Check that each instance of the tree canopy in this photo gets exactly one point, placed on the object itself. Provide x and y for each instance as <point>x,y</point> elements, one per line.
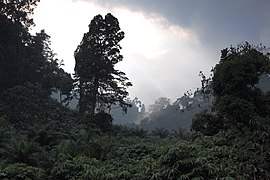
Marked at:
<point>238,99</point>
<point>19,11</point>
<point>98,82</point>
<point>239,103</point>
<point>24,57</point>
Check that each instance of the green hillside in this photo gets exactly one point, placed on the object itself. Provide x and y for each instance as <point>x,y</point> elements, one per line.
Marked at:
<point>41,138</point>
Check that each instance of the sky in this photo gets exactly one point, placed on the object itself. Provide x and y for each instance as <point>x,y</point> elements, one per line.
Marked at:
<point>166,43</point>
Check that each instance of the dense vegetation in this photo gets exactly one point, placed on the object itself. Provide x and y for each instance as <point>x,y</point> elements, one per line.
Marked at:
<point>41,138</point>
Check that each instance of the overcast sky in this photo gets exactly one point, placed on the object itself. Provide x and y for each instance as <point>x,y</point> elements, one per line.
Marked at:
<point>166,43</point>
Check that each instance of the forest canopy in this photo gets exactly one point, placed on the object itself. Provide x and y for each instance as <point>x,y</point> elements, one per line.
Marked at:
<point>42,138</point>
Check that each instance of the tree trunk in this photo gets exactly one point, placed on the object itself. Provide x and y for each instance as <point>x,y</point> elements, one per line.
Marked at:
<point>82,108</point>
<point>94,95</point>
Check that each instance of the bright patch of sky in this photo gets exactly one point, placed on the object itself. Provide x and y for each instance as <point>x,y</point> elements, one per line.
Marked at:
<point>160,59</point>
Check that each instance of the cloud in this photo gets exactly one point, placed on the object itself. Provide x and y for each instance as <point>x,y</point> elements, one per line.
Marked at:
<point>217,23</point>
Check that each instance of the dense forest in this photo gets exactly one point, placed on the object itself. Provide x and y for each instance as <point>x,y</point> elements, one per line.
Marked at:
<point>42,138</point>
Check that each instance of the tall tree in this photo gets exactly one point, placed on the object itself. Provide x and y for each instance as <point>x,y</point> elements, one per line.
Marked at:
<point>99,84</point>
<point>239,103</point>
<point>238,99</point>
<point>46,68</point>
<point>26,58</point>
<point>15,20</point>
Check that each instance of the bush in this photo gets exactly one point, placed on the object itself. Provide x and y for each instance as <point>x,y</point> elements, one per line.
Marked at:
<point>206,123</point>
<point>21,171</point>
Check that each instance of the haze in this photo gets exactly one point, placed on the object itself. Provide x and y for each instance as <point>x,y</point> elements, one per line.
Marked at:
<point>166,43</point>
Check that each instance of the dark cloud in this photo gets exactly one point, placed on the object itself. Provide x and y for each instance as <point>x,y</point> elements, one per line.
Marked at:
<point>217,22</point>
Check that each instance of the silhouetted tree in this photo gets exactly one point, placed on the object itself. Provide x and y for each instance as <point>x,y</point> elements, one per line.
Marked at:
<point>11,52</point>
<point>46,69</point>
<point>239,103</point>
<point>99,84</point>
<point>26,58</point>
<point>15,20</point>
<point>238,99</point>
<point>19,11</point>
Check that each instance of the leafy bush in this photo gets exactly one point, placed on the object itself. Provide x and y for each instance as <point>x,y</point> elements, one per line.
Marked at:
<point>21,171</point>
<point>206,123</point>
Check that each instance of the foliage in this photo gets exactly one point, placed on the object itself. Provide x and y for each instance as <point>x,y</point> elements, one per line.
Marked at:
<point>133,115</point>
<point>27,105</point>
<point>206,123</point>
<point>103,121</point>
<point>99,84</point>
<point>161,132</point>
<point>24,57</point>
<point>23,104</point>
<point>238,100</point>
<point>44,68</point>
<point>19,11</point>
<point>122,130</point>
<point>12,51</point>
<point>21,171</point>
<point>239,122</point>
<point>42,139</point>
<point>160,104</point>
<point>177,115</point>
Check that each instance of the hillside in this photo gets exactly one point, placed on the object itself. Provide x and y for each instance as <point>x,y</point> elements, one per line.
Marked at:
<point>221,131</point>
